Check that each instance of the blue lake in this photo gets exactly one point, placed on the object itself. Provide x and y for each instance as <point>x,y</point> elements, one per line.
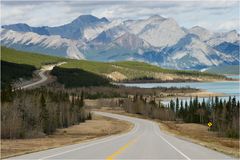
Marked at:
<point>229,88</point>
<point>234,76</point>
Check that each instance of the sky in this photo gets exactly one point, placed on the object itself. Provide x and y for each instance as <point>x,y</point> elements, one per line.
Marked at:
<point>215,15</point>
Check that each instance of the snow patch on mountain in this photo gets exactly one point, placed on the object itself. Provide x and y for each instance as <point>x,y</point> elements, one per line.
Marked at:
<point>33,40</point>
<point>93,31</point>
<point>73,52</point>
<point>165,33</point>
<point>201,32</point>
<point>156,40</point>
<point>230,37</point>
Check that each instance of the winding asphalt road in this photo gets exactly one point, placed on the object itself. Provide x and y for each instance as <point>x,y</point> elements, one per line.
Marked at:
<point>42,79</point>
<point>145,141</point>
<point>42,76</point>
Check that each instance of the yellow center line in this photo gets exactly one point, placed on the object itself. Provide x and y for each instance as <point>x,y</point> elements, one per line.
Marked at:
<point>121,149</point>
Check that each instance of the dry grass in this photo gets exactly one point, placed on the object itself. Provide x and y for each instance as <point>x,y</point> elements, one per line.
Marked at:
<point>199,134</point>
<point>98,127</point>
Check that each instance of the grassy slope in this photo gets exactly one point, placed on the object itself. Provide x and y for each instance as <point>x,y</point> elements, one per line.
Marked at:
<point>133,69</point>
<point>16,64</point>
<point>130,69</point>
<point>234,69</point>
<point>33,59</point>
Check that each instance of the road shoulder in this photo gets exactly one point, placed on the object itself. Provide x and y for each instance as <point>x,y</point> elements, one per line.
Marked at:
<point>199,134</point>
<point>195,133</point>
<point>98,127</point>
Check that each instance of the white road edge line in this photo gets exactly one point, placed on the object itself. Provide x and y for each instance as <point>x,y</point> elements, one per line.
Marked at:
<point>92,144</point>
<point>171,144</point>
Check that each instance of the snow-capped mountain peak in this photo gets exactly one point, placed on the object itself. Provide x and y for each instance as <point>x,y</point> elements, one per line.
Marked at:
<point>201,32</point>
<point>156,40</point>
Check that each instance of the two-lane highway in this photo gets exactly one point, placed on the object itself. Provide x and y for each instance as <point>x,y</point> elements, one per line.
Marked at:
<point>145,141</point>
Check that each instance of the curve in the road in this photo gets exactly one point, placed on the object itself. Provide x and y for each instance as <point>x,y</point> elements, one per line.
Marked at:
<point>42,75</point>
<point>145,141</point>
<point>42,79</point>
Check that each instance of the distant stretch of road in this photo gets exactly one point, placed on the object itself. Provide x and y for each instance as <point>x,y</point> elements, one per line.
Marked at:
<point>42,76</point>
<point>145,141</point>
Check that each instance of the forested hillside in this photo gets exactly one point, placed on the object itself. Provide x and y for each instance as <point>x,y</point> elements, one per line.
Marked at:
<point>12,71</point>
<point>17,64</point>
<point>139,71</point>
<point>77,73</point>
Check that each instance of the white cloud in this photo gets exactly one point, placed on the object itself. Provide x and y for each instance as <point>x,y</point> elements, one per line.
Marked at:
<point>218,15</point>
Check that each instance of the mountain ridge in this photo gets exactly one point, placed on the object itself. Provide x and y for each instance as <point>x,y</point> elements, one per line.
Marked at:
<point>156,40</point>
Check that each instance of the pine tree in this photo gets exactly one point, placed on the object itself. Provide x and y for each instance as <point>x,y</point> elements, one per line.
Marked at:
<point>181,111</point>
<point>44,115</point>
<point>177,106</point>
<point>7,94</point>
<point>172,105</point>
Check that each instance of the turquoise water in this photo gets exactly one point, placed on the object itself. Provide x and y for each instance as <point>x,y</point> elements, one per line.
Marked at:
<point>230,88</point>
<point>234,76</point>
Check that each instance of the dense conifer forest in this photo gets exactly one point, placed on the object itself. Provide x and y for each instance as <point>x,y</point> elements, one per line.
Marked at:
<point>223,114</point>
<point>71,78</point>
<point>11,72</point>
<point>38,112</point>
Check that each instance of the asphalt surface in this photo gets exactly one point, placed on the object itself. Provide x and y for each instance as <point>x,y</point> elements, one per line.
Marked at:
<point>42,79</point>
<point>42,76</point>
<point>145,141</point>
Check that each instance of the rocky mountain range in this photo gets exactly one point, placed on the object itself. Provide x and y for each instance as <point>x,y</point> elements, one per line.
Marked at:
<point>156,40</point>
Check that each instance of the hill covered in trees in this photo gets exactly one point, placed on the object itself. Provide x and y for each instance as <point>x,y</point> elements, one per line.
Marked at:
<point>132,71</point>
<point>12,71</point>
<point>17,64</point>
<point>125,71</point>
<point>72,77</point>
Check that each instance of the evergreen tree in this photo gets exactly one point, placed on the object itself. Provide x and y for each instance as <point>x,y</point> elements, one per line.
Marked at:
<point>177,106</point>
<point>172,105</point>
<point>44,115</point>
<point>181,111</point>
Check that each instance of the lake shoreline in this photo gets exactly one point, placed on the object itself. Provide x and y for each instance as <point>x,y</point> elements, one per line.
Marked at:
<point>172,81</point>
<point>200,94</point>
<point>204,89</point>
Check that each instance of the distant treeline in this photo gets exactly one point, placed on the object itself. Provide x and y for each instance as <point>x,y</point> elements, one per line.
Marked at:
<point>71,78</point>
<point>34,113</point>
<point>146,79</point>
<point>140,105</point>
<point>117,91</point>
<point>223,114</point>
<point>11,72</point>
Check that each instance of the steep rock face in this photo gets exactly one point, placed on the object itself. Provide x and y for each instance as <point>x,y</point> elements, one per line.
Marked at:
<point>156,30</point>
<point>190,52</point>
<point>131,42</point>
<point>229,48</point>
<point>162,34</point>
<point>201,32</point>
<point>53,45</point>
<point>156,40</point>
<point>92,32</point>
<point>218,38</point>
<point>73,30</point>
<point>22,27</point>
